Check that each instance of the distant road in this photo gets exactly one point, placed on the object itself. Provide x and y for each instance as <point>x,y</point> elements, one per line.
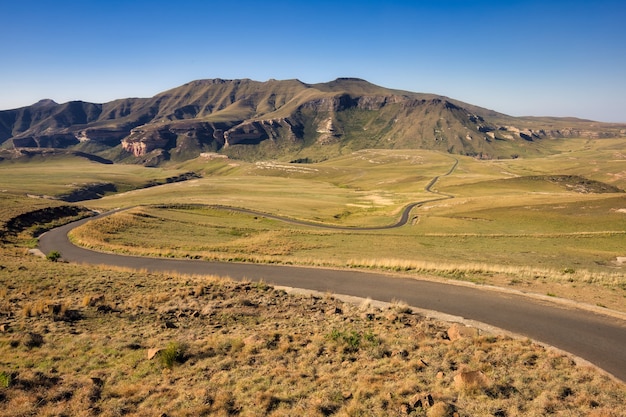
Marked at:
<point>404,216</point>
<point>597,338</point>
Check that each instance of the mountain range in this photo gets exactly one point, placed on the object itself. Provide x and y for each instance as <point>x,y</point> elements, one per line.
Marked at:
<point>286,119</point>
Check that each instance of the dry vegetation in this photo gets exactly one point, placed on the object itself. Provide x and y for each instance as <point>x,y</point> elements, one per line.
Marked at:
<point>77,340</point>
<point>82,340</point>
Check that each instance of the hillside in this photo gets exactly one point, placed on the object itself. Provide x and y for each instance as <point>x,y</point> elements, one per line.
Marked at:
<point>86,341</point>
<point>280,119</point>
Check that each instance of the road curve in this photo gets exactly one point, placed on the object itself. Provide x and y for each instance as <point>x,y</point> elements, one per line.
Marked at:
<point>404,216</point>
<point>597,338</point>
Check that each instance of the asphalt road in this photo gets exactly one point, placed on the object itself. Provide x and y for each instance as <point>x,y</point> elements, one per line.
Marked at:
<point>599,339</point>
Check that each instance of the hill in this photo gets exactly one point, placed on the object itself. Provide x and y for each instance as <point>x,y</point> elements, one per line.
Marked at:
<point>280,119</point>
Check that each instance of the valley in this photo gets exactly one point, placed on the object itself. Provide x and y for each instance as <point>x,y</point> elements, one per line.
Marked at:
<point>541,218</point>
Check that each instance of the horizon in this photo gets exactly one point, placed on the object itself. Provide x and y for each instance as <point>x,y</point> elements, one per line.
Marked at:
<point>524,58</point>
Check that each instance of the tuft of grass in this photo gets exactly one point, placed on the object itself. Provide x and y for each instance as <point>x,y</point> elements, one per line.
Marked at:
<point>53,256</point>
<point>5,380</point>
<point>174,353</point>
<point>401,307</point>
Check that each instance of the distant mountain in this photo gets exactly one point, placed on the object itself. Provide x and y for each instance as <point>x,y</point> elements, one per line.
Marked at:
<point>279,119</point>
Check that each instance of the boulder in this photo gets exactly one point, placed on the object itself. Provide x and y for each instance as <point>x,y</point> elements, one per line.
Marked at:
<point>152,352</point>
<point>471,380</point>
<point>458,331</point>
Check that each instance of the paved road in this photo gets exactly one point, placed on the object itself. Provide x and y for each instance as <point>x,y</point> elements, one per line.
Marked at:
<point>596,338</point>
<point>403,220</point>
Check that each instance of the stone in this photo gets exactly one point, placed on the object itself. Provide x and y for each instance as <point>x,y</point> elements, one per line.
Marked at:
<point>334,310</point>
<point>471,379</point>
<point>422,400</point>
<point>152,352</point>
<point>458,331</point>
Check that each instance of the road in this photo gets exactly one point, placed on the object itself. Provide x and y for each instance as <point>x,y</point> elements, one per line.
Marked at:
<point>597,338</point>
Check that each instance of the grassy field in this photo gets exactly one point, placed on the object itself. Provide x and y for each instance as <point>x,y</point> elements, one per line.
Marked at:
<point>515,223</point>
<point>61,174</point>
<point>81,340</point>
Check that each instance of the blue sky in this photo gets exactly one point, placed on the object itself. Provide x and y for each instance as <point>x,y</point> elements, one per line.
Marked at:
<point>520,57</point>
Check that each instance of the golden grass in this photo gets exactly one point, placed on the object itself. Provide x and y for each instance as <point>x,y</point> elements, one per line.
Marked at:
<point>251,349</point>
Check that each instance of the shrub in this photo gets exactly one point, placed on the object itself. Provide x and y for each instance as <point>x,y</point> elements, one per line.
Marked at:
<point>5,380</point>
<point>173,353</point>
<point>350,339</point>
<point>53,256</point>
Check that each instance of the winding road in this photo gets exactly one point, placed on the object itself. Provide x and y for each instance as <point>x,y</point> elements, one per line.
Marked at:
<point>404,216</point>
<point>597,338</point>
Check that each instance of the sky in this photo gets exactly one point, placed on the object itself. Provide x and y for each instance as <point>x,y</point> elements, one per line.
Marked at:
<point>519,57</point>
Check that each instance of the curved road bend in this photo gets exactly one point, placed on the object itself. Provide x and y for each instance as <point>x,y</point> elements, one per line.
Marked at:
<point>596,338</point>
<point>404,216</point>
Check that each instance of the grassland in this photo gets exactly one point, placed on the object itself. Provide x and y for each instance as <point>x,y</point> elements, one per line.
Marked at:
<point>76,340</point>
<point>81,341</point>
<point>518,223</point>
<point>61,174</point>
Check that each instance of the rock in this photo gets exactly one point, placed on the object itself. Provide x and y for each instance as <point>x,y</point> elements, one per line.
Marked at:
<point>471,379</point>
<point>94,300</point>
<point>370,316</point>
<point>36,252</point>
<point>4,328</point>
<point>403,353</point>
<point>334,310</point>
<point>440,409</point>
<point>422,401</point>
<point>458,331</point>
<point>152,352</point>
<point>254,340</point>
<point>170,325</point>
<point>405,409</point>
<point>391,316</point>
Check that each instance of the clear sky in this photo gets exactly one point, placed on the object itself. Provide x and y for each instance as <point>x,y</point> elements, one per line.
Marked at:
<point>520,57</point>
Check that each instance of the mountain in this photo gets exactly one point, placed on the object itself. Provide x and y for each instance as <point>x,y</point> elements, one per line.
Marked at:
<point>279,119</point>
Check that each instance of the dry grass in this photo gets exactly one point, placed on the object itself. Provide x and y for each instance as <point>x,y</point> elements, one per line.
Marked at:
<point>245,348</point>
<point>216,235</point>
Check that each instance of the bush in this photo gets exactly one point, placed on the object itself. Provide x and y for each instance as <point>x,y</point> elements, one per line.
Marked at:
<point>5,380</point>
<point>53,256</point>
<point>173,353</point>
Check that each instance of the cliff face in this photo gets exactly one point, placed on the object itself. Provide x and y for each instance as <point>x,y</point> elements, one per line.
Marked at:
<point>240,116</point>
